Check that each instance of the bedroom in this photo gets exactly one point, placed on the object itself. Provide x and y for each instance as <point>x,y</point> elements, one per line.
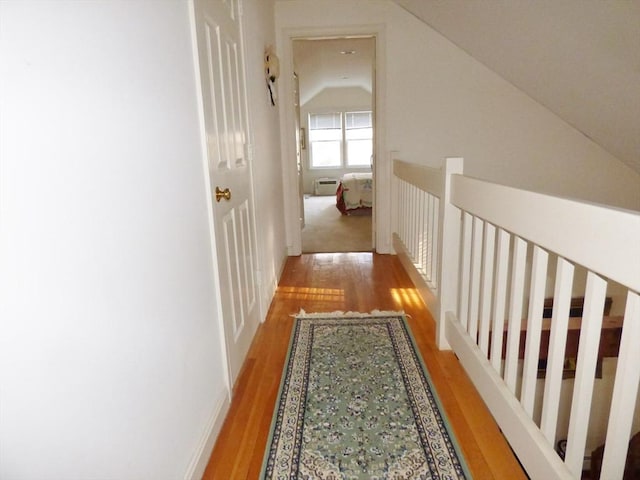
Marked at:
<point>336,118</point>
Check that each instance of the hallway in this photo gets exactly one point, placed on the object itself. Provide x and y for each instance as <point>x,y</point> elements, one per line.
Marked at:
<point>349,282</point>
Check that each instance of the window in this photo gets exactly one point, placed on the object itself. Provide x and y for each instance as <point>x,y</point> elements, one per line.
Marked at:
<point>325,137</point>
<point>359,137</point>
<point>340,139</point>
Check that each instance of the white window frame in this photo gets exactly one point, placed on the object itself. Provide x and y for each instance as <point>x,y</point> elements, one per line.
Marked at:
<point>346,141</point>
<point>343,140</point>
<point>340,140</point>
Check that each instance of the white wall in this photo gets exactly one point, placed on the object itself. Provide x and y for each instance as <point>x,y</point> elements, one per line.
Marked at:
<point>330,99</point>
<point>267,167</point>
<point>110,360</point>
<point>441,102</point>
<point>580,59</point>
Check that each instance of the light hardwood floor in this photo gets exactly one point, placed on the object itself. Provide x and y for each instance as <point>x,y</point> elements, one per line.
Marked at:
<point>350,282</point>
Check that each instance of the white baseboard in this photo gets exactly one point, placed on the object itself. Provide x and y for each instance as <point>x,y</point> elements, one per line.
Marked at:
<point>205,447</point>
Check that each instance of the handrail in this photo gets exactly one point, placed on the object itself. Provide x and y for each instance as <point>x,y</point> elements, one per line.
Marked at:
<point>424,178</point>
<point>578,231</point>
<point>484,279</point>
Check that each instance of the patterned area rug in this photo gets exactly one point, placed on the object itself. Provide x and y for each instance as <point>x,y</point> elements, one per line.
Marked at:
<point>356,403</point>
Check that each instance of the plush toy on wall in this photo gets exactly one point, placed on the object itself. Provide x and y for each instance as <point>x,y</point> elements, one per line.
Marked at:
<point>272,71</point>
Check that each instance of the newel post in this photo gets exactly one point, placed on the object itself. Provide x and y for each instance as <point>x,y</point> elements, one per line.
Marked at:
<point>449,241</point>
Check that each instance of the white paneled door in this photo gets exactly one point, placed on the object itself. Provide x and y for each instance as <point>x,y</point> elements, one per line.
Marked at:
<point>220,55</point>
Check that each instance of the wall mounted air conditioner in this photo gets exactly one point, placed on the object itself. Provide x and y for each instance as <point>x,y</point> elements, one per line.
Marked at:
<point>326,186</point>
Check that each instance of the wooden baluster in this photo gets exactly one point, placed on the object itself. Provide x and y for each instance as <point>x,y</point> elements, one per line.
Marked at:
<point>518,269</point>
<point>625,391</point>
<point>585,371</point>
<point>499,299</point>
<point>557,343</point>
<point>476,270</point>
<point>534,325</point>
<point>465,270</point>
<point>486,287</point>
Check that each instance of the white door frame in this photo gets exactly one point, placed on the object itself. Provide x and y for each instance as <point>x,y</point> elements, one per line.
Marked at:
<point>232,225</point>
<point>382,163</point>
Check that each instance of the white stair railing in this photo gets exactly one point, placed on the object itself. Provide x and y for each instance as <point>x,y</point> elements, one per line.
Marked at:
<point>485,272</point>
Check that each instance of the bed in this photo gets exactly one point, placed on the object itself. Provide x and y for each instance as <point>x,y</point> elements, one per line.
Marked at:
<point>355,193</point>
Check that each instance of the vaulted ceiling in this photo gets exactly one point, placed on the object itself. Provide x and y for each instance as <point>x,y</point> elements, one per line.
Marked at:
<point>333,63</point>
<point>578,58</point>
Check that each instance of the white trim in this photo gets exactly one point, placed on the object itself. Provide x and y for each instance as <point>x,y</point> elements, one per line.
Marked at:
<point>344,142</point>
<point>575,231</point>
<point>207,175</point>
<point>578,231</point>
<point>203,451</point>
<point>381,166</point>
<point>263,303</point>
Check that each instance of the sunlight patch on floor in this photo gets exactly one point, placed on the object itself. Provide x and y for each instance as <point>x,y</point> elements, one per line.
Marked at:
<point>406,297</point>
<point>306,293</point>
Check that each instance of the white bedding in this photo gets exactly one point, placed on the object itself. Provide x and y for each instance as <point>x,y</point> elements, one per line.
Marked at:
<point>357,190</point>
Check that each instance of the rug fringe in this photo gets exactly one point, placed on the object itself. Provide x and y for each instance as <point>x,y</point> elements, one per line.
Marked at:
<point>340,313</point>
<point>313,362</point>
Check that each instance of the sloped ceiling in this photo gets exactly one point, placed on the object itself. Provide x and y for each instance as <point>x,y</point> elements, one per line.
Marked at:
<point>333,63</point>
<point>578,58</point>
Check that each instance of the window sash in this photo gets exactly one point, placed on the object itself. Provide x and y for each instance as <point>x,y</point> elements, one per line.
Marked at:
<point>359,153</point>
<point>326,154</point>
<point>340,139</point>
<point>355,120</point>
<point>321,121</point>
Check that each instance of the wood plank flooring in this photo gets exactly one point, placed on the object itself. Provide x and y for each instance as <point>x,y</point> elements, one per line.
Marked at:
<point>349,282</point>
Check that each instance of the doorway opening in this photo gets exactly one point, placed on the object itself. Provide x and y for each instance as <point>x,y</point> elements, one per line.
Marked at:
<point>334,87</point>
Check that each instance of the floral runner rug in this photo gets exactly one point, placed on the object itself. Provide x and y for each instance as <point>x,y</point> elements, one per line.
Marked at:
<point>356,402</point>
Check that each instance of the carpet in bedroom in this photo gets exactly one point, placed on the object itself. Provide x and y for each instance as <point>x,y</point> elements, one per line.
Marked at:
<point>326,230</point>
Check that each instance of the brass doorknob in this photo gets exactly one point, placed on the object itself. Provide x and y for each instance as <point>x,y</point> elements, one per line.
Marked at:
<point>220,194</point>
